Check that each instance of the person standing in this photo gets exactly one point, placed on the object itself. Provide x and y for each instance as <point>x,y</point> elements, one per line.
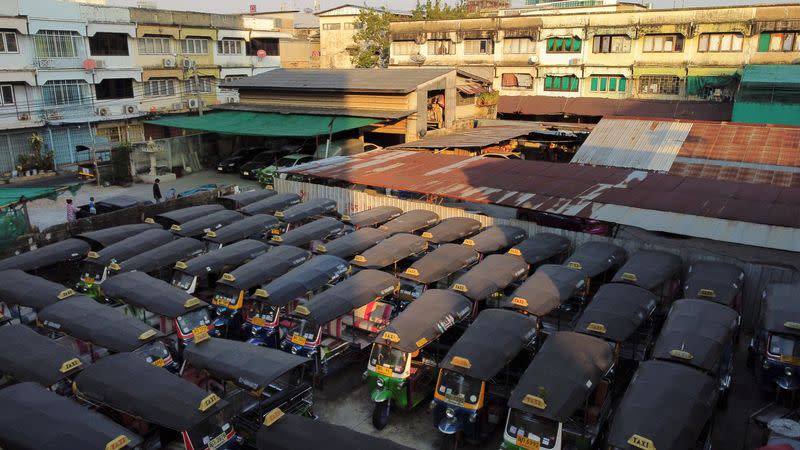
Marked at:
<point>157,191</point>
<point>92,207</point>
<point>72,212</point>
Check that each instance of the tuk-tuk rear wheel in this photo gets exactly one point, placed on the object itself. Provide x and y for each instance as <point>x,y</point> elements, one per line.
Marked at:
<point>380,415</point>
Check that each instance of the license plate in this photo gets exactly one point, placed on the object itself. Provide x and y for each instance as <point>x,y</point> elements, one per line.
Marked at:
<point>457,400</point>
<point>383,370</point>
<point>200,330</point>
<point>788,359</point>
<point>299,340</point>
<point>527,443</point>
<point>220,302</point>
<point>219,168</point>
<point>247,174</point>
<point>258,321</point>
<point>217,442</point>
<point>159,362</point>
<point>276,232</point>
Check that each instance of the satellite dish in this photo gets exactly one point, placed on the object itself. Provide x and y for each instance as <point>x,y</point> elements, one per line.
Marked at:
<point>418,59</point>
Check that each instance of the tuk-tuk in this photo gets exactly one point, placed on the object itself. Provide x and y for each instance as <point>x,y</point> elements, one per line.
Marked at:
<point>183,215</point>
<point>774,353</point>
<point>667,406</point>
<point>306,236</point>
<point>200,274</point>
<point>496,238</point>
<point>411,222</point>
<point>100,239</point>
<point>489,279</point>
<point>351,244</point>
<point>372,217</point>
<point>242,199</point>
<point>436,270</point>
<point>302,213</point>
<point>197,228</point>
<point>658,272</point>
<point>26,355</point>
<point>271,205</point>
<point>478,373</point>
<point>24,294</point>
<point>394,253</point>
<point>715,281</point>
<point>235,287</point>
<point>451,230</point>
<point>57,262</point>
<point>401,369</point>
<point>167,411</point>
<point>251,227</point>
<point>701,334</point>
<point>33,418</point>
<point>335,326</point>
<point>542,248</point>
<point>596,261</point>
<point>281,295</point>
<point>160,260</point>
<point>565,398</point>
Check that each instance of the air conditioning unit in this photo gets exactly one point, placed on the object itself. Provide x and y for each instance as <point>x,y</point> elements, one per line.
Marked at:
<point>130,109</point>
<point>177,106</point>
<point>188,63</point>
<point>169,63</point>
<point>99,64</point>
<point>53,115</point>
<point>575,62</point>
<point>533,59</point>
<point>24,116</point>
<point>193,103</point>
<point>103,111</point>
<point>44,63</point>
<point>232,100</point>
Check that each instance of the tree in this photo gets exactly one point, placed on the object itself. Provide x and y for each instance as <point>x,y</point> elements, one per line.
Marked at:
<point>435,10</point>
<point>372,40</point>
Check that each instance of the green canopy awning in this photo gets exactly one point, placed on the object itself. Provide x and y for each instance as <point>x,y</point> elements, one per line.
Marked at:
<point>11,195</point>
<point>266,124</point>
<point>785,76</point>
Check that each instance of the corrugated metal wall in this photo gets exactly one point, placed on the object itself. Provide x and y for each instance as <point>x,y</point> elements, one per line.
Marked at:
<point>757,275</point>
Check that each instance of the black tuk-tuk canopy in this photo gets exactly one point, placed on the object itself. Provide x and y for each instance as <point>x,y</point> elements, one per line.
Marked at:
<point>540,247</point>
<point>617,311</point>
<point>242,229</point>
<point>411,221</point>
<point>128,383</point>
<point>649,269</point>
<point>108,236</point>
<point>490,342</point>
<point>183,215</point>
<point>313,274</point>
<point>249,366</point>
<point>696,333</point>
<point>292,432</point>
<point>163,256</point>
<point>132,246</point>
<point>716,281</point>
<point>86,320</point>
<point>157,296</point>
<point>272,204</point>
<point>242,199</point>
<point>353,243</point>
<point>391,250</point>
<point>545,290</point>
<point>312,231</point>
<point>491,275</point>
<point>452,229</point>
<point>212,222</point>
<point>595,257</point>
<point>562,375</point>
<point>63,251</point>
<point>306,210</point>
<point>362,288</point>
<point>373,216</point>
<point>425,319</point>
<point>26,355</point>
<point>667,404</point>
<point>438,264</point>
<point>781,310</point>
<point>496,238</point>
<point>230,255</point>
<point>33,418</point>
<point>20,288</point>
<point>276,262</point>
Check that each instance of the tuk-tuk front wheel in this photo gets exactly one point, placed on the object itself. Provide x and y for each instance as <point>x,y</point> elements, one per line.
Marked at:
<point>449,441</point>
<point>380,415</point>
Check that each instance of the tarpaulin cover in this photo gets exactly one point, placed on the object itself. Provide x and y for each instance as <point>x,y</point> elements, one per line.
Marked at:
<point>11,195</point>
<point>266,124</point>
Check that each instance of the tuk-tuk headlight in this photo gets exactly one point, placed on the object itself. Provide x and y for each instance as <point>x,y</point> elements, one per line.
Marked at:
<point>788,371</point>
<point>294,350</point>
<point>365,375</point>
<point>449,413</point>
<point>379,382</point>
<point>765,364</point>
<point>473,418</point>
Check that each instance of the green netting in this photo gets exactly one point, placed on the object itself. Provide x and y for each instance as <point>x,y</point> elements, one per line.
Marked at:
<point>11,195</point>
<point>701,85</point>
<point>13,223</point>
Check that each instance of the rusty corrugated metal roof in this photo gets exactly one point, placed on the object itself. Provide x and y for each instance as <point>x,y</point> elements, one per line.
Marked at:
<point>606,107</point>
<point>473,138</point>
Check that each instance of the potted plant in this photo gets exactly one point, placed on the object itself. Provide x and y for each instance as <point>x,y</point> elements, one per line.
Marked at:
<point>36,142</point>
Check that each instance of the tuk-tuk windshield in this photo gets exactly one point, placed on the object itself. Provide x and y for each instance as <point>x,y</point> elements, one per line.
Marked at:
<point>524,424</point>
<point>783,345</point>
<point>193,319</point>
<point>211,432</point>
<point>153,351</point>
<point>92,269</point>
<point>303,328</point>
<point>410,290</point>
<point>182,279</point>
<point>226,295</point>
<point>262,311</point>
<point>461,387</point>
<point>387,356</point>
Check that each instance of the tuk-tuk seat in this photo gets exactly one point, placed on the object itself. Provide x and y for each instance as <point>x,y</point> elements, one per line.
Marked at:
<point>333,328</point>
<point>596,408</point>
<point>371,317</point>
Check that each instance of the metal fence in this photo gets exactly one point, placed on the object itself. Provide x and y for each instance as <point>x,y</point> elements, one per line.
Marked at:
<point>59,140</point>
<point>181,151</point>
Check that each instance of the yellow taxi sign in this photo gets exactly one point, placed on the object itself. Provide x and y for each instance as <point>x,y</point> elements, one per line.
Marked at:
<point>427,235</point>
<point>159,362</point>
<point>273,416</point>
<point>180,265</point>
<point>515,252</point>
<point>792,325</point>
<point>261,293</point>
<point>629,277</point>
<point>641,442</point>
<point>175,228</point>
<point>412,272</point>
<point>119,442</point>
<point>681,354</point>
<point>277,238</point>
<point>596,327</point>
<point>421,342</point>
<point>69,365</point>
<point>460,287</point>
<point>321,248</point>
<point>93,255</point>
<point>65,293</point>
<point>208,402</point>
<point>302,309</point>
<point>574,265</point>
<point>360,259</point>
<point>228,277</point>
<point>469,242</point>
<point>191,302</point>
<point>707,293</point>
<point>211,234</point>
<point>536,402</point>
<point>147,334</point>
<point>149,220</point>
<point>200,334</point>
<point>114,266</point>
<point>461,362</point>
<point>346,218</point>
<point>279,214</point>
<point>391,337</point>
<point>519,301</point>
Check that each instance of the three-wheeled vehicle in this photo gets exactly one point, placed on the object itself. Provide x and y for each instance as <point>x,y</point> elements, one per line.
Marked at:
<point>307,236</point>
<point>167,411</point>
<point>197,228</point>
<point>542,248</point>
<point>565,398</point>
<point>105,237</point>
<point>183,215</point>
<point>436,270</point>
<point>667,406</point>
<point>26,355</point>
<point>451,230</point>
<point>303,213</point>
<point>271,205</point>
<point>478,373</point>
<point>488,280</point>
<point>242,199</point>
<point>198,275</point>
<point>413,221</point>
<point>404,359</point>
<point>596,262</point>
<point>280,296</point>
<point>394,253</point>
<point>372,217</point>
<point>57,262</point>
<point>351,244</point>
<point>236,287</point>
<point>718,282</point>
<point>497,238</point>
<point>658,272</point>
<point>337,325</point>
<point>33,418</point>
<point>251,227</point>
<point>160,260</point>
<point>774,352</point>
<point>23,294</point>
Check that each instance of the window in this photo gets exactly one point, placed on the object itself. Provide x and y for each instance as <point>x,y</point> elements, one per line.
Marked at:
<point>56,44</point>
<point>194,46</point>
<point>8,42</point>
<point>441,47</point>
<point>109,44</point>
<point>659,84</point>
<point>114,88</point>
<point>201,86</point>
<point>564,83</point>
<point>354,26</point>
<point>465,99</point>
<point>478,47</point>
<point>268,45</point>
<point>156,45</point>
<point>608,83</point>
<point>720,42</point>
<point>517,81</point>
<point>6,94</point>
<point>519,46</point>
<point>65,92</point>
<point>113,134</point>
<point>663,43</point>
<point>331,26</point>
<point>611,44</point>
<point>405,48</point>
<point>229,47</point>
<point>277,23</point>
<point>159,88</point>
<point>779,42</point>
<point>564,45</point>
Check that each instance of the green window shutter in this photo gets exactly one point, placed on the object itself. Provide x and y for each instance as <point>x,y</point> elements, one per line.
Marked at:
<point>573,84</point>
<point>556,83</point>
<point>559,44</point>
<point>550,43</point>
<point>594,84</point>
<point>548,83</point>
<point>576,44</point>
<point>612,84</point>
<point>623,84</point>
<point>603,82</point>
<point>763,42</point>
